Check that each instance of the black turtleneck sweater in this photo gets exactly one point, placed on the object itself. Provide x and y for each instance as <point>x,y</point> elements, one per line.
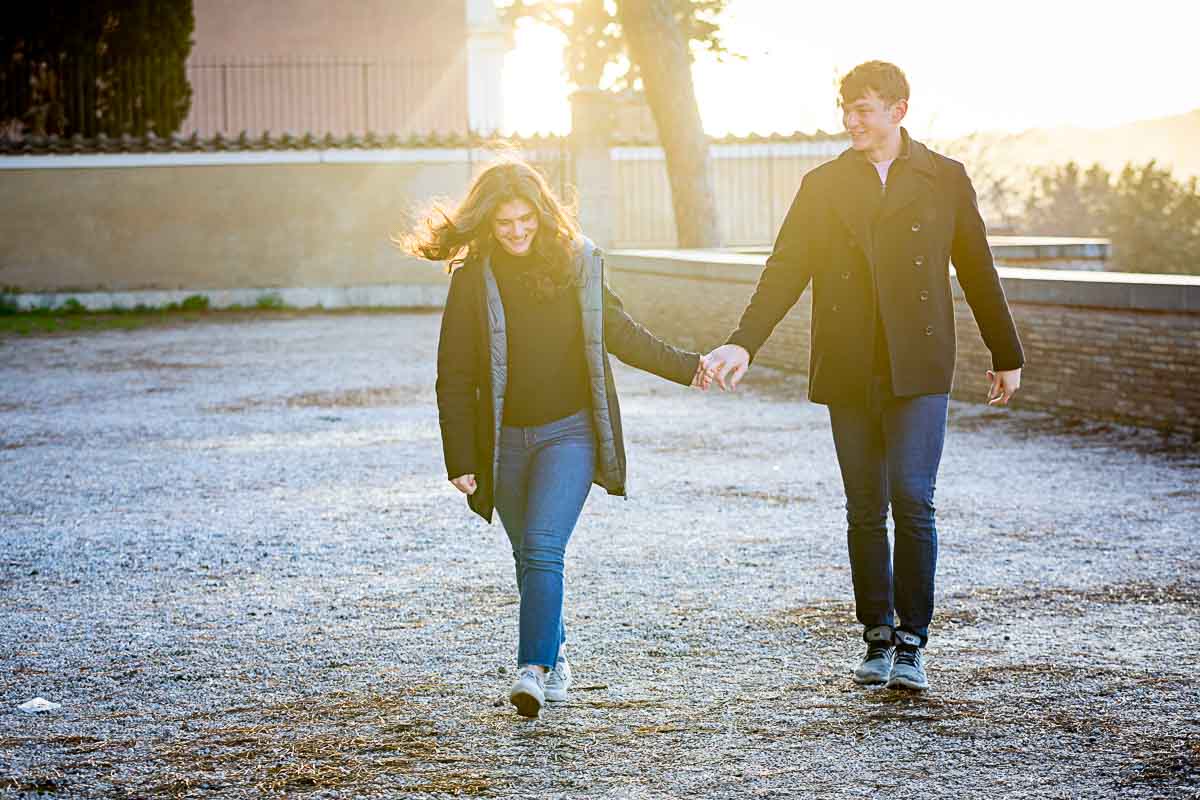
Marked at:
<point>547,373</point>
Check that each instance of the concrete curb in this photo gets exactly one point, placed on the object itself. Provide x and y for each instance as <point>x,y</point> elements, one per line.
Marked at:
<point>378,296</point>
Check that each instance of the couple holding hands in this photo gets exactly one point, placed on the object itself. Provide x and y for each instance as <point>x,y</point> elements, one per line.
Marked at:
<point>528,408</point>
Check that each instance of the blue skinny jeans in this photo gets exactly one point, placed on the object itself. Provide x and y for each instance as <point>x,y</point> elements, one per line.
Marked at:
<point>545,474</point>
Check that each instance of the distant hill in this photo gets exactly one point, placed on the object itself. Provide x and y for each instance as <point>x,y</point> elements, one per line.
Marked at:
<point>1171,141</point>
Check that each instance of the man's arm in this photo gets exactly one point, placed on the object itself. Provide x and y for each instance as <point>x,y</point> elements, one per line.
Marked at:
<point>980,283</point>
<point>783,280</point>
<point>786,274</point>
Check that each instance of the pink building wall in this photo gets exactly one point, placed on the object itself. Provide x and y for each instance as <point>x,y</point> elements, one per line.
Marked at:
<point>329,67</point>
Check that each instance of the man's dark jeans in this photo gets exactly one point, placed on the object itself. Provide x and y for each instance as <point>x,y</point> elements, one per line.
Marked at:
<point>889,450</point>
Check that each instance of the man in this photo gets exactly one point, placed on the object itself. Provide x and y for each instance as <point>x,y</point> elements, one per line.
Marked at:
<point>873,230</point>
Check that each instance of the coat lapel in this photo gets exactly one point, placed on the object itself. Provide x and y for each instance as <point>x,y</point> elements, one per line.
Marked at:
<point>856,198</point>
<point>911,180</point>
<point>859,202</point>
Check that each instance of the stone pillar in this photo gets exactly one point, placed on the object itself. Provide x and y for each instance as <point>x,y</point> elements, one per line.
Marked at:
<point>487,42</point>
<point>593,120</point>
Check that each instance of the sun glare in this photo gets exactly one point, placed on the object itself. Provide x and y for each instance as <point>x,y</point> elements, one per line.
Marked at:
<point>535,86</point>
<point>1026,64</point>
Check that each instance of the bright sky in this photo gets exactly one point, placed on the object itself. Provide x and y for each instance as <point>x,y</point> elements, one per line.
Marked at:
<point>972,66</point>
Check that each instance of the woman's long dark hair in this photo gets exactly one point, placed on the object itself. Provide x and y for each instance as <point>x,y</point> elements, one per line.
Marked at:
<point>464,234</point>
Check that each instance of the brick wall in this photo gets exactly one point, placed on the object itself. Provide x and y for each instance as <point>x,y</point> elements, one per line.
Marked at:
<point>1133,364</point>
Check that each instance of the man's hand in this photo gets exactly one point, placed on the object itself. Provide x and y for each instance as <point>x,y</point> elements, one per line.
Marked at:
<point>465,483</point>
<point>703,377</point>
<point>728,364</point>
<point>1003,385</point>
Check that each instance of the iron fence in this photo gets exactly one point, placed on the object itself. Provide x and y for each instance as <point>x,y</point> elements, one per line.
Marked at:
<point>327,96</point>
<point>753,184</point>
<point>89,95</point>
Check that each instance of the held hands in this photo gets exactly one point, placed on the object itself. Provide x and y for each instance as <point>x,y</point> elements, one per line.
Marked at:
<point>726,365</point>
<point>703,377</point>
<point>465,483</point>
<point>1002,385</point>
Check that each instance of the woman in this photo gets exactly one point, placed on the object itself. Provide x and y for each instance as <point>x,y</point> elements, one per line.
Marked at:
<point>525,392</point>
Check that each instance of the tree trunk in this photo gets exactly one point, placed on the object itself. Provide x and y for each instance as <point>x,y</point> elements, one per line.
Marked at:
<point>660,49</point>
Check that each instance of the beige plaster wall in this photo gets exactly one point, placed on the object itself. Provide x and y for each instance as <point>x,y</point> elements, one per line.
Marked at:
<point>215,227</point>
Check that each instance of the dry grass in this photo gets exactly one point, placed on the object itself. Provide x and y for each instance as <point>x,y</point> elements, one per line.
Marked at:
<point>771,498</point>
<point>1167,762</point>
<point>1062,598</point>
<point>370,397</point>
<point>368,743</point>
<point>821,615</point>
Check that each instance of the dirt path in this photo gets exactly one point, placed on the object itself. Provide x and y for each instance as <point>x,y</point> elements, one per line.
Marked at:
<point>230,553</point>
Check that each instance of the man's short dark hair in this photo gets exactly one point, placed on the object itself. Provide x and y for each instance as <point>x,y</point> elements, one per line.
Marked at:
<point>887,81</point>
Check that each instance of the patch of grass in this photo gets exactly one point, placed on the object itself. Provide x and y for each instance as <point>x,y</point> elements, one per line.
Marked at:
<point>270,302</point>
<point>39,784</point>
<point>371,397</point>
<point>341,742</point>
<point>770,498</point>
<point>74,316</point>
<point>1071,600</point>
<point>41,322</point>
<point>194,302</point>
<point>825,616</point>
<point>1166,762</point>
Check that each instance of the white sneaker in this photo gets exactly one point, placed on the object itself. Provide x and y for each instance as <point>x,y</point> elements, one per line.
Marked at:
<point>528,692</point>
<point>558,681</point>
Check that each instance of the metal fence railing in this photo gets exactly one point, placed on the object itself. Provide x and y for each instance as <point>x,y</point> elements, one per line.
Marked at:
<point>753,184</point>
<point>334,96</point>
<point>89,95</point>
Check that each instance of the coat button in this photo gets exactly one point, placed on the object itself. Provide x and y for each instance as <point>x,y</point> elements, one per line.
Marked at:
<point>929,330</point>
<point>919,261</point>
<point>845,276</point>
<point>916,228</point>
<point>836,309</point>
<point>924,295</point>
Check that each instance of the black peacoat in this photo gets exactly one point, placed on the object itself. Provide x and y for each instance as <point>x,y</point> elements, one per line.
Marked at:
<point>859,244</point>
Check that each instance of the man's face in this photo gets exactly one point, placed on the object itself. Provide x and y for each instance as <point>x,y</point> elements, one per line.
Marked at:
<point>870,121</point>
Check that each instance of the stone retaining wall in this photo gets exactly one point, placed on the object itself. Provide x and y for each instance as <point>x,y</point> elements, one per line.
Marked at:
<point>1114,346</point>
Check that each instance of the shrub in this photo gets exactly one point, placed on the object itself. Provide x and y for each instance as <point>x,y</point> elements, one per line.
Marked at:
<point>194,302</point>
<point>269,302</point>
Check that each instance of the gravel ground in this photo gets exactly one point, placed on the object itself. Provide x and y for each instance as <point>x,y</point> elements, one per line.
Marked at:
<point>230,553</point>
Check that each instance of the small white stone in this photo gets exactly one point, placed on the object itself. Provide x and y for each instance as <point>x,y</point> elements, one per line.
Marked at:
<point>37,705</point>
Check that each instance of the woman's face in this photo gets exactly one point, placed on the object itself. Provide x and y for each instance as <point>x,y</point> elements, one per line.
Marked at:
<point>514,225</point>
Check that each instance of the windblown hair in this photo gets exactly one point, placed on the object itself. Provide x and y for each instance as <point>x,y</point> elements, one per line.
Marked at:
<point>464,234</point>
<point>887,80</point>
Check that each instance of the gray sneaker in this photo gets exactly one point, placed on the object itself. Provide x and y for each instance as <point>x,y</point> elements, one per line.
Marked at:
<point>908,671</point>
<point>876,665</point>
<point>558,681</point>
<point>528,692</point>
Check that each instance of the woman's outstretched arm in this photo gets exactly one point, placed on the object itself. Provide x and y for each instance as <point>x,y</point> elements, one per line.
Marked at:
<point>630,341</point>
